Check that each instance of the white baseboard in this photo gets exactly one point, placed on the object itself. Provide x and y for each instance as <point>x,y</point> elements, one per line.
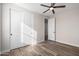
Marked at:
<point>5,51</point>
<point>40,41</point>
<point>0,52</point>
<point>68,44</point>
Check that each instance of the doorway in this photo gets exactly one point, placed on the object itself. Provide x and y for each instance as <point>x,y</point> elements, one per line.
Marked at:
<point>46,29</point>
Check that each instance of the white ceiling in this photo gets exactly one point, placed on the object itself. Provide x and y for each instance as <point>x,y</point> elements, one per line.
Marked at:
<point>35,7</point>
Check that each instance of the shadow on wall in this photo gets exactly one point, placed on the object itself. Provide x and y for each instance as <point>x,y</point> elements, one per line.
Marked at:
<point>28,35</point>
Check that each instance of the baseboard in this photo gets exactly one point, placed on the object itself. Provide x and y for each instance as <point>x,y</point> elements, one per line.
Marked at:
<point>40,41</point>
<point>68,44</point>
<point>2,52</point>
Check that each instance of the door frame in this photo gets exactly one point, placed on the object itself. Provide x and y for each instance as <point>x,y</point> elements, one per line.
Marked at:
<point>55,29</point>
<point>9,28</point>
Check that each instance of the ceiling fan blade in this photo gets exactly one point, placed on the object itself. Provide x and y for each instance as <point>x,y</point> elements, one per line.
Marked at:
<point>44,5</point>
<point>46,10</point>
<point>53,11</point>
<point>52,4</point>
<point>62,6</point>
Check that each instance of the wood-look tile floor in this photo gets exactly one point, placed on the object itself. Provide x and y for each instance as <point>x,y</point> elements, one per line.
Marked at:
<point>47,48</point>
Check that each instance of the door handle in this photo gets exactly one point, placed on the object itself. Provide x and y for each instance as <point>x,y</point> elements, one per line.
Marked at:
<point>54,32</point>
<point>11,34</point>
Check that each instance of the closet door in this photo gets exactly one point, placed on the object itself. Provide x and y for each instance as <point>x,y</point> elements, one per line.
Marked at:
<point>52,29</point>
<point>16,28</point>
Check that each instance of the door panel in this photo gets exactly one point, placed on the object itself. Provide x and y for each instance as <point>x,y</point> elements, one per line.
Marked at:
<point>51,29</point>
<point>16,18</point>
<point>21,28</point>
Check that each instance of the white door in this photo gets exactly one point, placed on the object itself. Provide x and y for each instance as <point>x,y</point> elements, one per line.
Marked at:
<point>15,21</point>
<point>51,29</point>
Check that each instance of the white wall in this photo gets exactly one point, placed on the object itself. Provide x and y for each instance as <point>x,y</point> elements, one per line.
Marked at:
<point>5,28</point>
<point>67,26</point>
<point>0,24</point>
<point>38,25</point>
<point>35,24</point>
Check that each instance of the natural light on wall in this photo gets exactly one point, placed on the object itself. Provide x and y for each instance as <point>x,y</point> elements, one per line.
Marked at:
<point>28,35</point>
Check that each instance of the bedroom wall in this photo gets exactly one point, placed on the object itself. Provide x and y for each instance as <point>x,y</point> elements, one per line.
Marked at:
<point>0,24</point>
<point>67,26</point>
<point>38,25</point>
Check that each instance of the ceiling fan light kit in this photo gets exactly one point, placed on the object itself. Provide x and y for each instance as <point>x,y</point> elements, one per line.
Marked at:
<point>52,7</point>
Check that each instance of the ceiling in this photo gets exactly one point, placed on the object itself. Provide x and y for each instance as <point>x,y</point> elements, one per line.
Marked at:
<point>35,7</point>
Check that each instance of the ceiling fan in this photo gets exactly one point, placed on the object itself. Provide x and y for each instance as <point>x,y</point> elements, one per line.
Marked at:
<point>52,7</point>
